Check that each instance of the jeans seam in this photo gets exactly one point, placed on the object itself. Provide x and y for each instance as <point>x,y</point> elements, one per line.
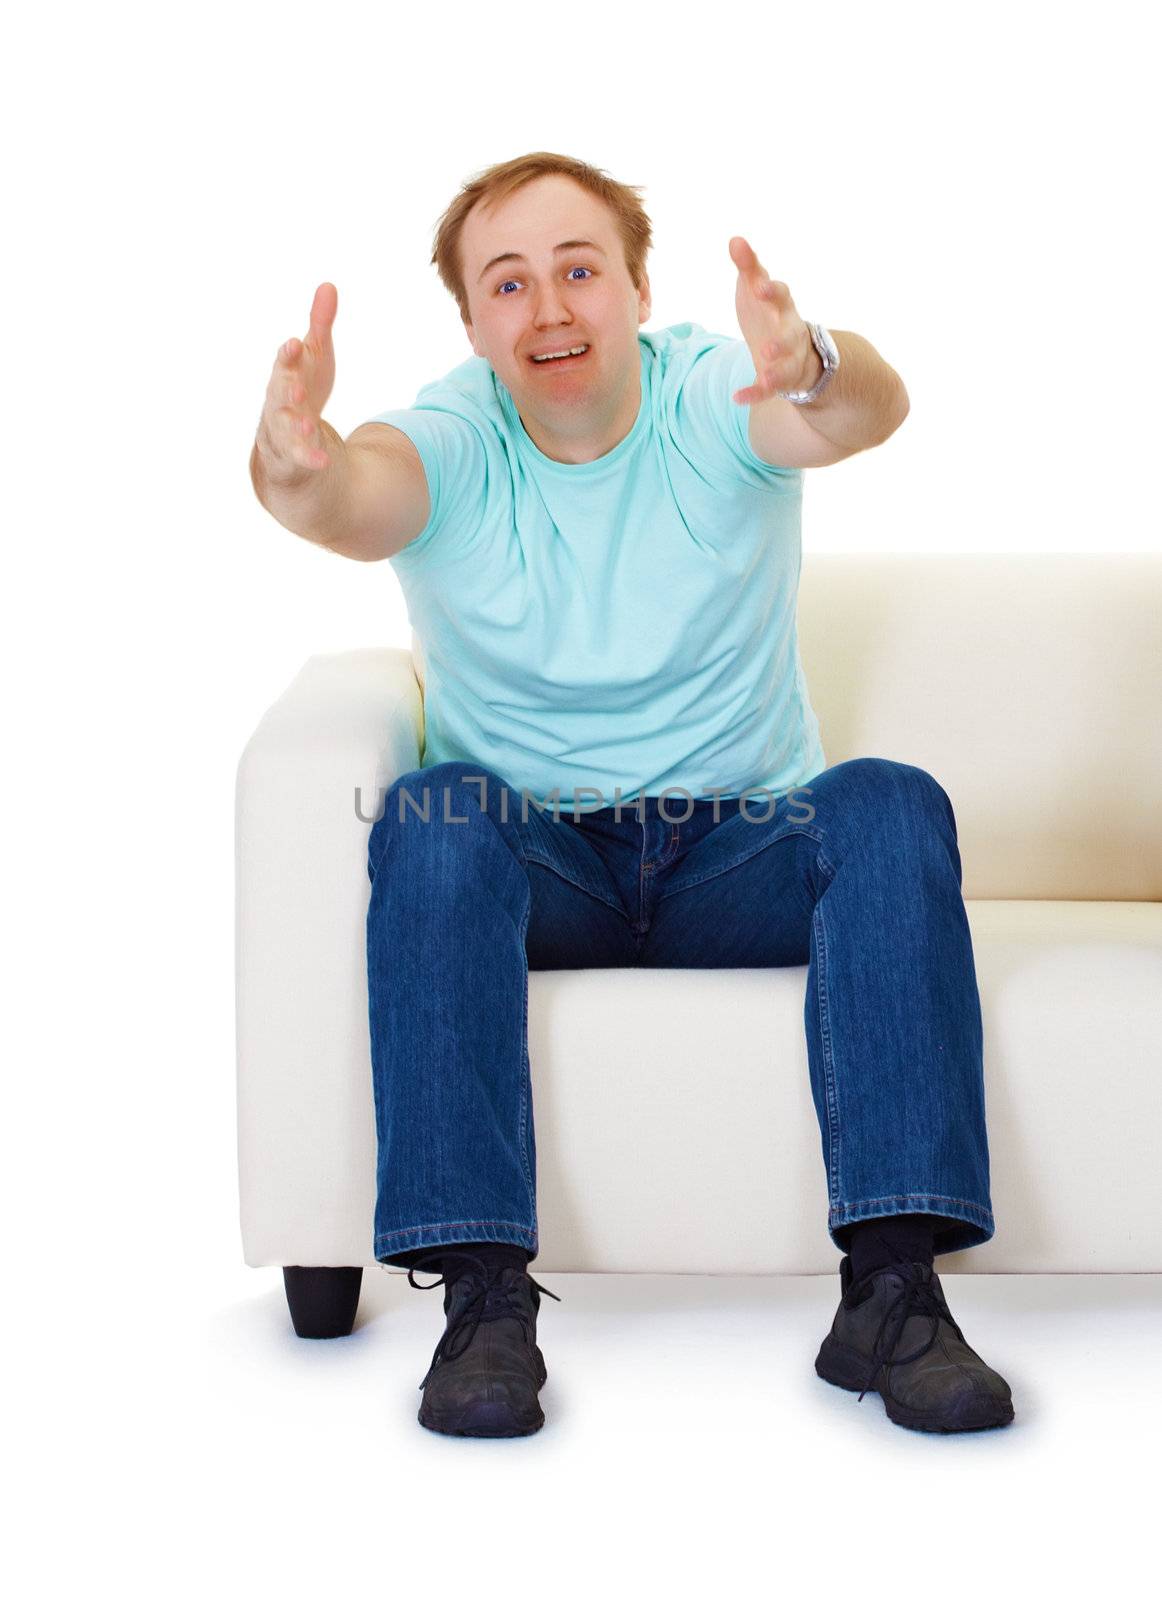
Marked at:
<point>833,1140</point>
<point>464,1222</point>
<point>526,1074</point>
<point>373,867</point>
<point>776,836</point>
<point>585,888</point>
<point>671,849</point>
<point>882,1199</point>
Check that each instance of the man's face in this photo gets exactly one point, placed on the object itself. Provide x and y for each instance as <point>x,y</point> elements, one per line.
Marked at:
<point>555,299</point>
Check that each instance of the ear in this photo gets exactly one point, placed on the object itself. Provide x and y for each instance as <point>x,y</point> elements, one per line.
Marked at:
<point>644,311</point>
<point>471,332</point>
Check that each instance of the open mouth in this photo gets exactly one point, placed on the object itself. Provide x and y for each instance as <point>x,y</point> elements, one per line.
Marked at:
<point>562,361</point>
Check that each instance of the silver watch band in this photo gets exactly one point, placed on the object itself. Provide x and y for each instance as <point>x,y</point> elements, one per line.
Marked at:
<point>828,354</point>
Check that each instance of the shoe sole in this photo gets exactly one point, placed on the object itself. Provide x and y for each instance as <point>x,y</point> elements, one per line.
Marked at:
<point>486,1419</point>
<point>839,1365</point>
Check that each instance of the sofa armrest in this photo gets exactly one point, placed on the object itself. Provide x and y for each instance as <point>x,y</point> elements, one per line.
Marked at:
<point>345,728</point>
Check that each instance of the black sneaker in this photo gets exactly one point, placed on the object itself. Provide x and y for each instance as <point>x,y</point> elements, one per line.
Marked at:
<point>486,1370</point>
<point>894,1333</point>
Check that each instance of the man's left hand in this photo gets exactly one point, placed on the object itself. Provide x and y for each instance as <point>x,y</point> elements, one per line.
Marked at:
<point>778,339</point>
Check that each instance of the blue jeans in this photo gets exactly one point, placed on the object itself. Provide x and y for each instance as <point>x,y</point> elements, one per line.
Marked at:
<point>856,876</point>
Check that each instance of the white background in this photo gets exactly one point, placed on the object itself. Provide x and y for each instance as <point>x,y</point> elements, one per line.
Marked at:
<point>973,189</point>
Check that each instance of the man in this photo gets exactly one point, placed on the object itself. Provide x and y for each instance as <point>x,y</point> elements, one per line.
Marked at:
<point>597,532</point>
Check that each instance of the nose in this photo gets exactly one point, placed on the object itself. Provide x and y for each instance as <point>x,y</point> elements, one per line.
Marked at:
<point>550,308</point>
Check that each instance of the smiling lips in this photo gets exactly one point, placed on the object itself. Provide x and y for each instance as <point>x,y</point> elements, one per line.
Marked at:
<point>560,360</point>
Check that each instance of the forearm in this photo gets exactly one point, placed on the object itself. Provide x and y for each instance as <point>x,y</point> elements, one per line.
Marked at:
<point>865,401</point>
<point>313,504</point>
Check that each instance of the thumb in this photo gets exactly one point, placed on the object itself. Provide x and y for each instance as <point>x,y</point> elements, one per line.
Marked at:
<point>323,309</point>
<point>742,255</point>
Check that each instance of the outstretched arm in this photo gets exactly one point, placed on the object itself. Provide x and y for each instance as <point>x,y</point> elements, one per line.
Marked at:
<point>863,405</point>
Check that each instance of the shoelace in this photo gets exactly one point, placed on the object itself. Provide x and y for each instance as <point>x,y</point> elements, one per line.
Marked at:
<point>490,1300</point>
<point>916,1296</point>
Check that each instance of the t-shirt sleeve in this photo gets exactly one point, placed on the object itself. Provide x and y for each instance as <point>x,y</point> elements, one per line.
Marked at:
<point>711,428</point>
<point>456,467</point>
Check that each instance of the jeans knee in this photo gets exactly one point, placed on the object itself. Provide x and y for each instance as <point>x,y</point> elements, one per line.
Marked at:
<point>898,785</point>
<point>469,779</point>
<point>444,793</point>
<point>928,794</point>
<point>409,798</point>
<point>429,791</point>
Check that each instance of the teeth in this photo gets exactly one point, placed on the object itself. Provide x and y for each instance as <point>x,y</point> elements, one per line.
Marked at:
<point>574,352</point>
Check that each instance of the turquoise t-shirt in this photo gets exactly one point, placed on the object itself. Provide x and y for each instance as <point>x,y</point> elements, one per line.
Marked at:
<point>623,626</point>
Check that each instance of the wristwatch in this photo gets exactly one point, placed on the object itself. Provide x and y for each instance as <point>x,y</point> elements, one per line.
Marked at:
<point>828,354</point>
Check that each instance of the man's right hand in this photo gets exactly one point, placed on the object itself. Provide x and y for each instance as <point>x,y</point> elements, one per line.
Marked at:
<point>290,440</point>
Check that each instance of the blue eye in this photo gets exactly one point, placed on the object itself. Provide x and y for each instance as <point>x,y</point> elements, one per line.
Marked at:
<point>500,288</point>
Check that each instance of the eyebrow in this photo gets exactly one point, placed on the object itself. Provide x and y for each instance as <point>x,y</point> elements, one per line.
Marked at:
<point>569,244</point>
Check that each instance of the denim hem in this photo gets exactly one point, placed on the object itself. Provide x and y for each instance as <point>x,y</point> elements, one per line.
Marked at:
<point>437,1233</point>
<point>970,1224</point>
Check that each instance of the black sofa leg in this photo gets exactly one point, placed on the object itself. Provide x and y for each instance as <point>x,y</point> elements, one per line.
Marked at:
<point>322,1300</point>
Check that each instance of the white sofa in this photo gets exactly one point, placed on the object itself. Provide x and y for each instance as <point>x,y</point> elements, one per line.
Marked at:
<point>675,1127</point>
